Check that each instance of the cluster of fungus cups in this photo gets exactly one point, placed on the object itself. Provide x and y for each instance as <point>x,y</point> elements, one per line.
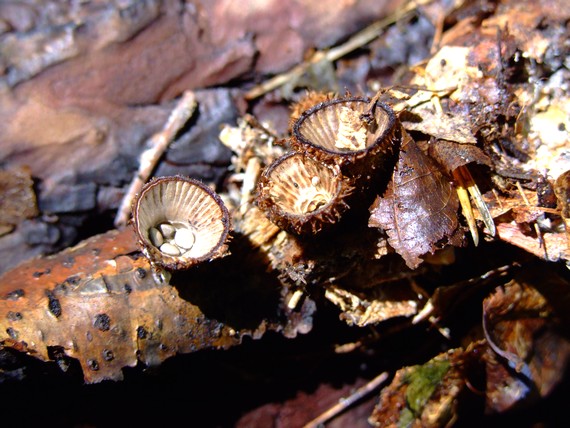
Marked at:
<point>339,145</point>
<point>180,222</point>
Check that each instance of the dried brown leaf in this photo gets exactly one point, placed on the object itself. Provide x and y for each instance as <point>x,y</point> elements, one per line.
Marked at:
<point>522,205</point>
<point>376,305</point>
<point>528,334</point>
<point>452,154</point>
<point>441,126</point>
<point>550,246</point>
<point>419,208</point>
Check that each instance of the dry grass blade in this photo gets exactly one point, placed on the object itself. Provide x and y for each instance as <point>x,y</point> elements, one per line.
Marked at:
<point>478,199</point>
<point>357,41</point>
<point>466,207</point>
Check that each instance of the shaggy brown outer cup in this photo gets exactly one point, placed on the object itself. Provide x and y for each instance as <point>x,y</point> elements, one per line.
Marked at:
<point>180,222</point>
<point>302,195</point>
<point>349,132</point>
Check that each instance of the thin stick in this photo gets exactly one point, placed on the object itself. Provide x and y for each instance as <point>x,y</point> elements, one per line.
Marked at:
<point>158,144</point>
<point>345,403</point>
<point>357,41</point>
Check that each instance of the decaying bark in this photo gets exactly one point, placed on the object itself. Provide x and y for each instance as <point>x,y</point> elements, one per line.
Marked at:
<point>104,305</point>
<point>481,92</point>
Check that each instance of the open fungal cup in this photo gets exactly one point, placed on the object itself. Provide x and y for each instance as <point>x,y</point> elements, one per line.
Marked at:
<point>180,222</point>
<point>302,195</point>
<point>347,131</point>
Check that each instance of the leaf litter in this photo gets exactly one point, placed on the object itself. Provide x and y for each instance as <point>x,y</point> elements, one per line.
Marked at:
<point>478,112</point>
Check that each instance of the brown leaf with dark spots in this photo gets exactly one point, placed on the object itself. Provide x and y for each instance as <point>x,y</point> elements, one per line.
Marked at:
<point>103,304</point>
<point>419,208</point>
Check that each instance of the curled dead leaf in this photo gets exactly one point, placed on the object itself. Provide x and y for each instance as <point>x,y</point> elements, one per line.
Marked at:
<point>418,211</point>
<point>526,326</point>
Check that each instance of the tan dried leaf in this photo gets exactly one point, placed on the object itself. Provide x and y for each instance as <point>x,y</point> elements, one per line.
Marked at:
<point>375,307</point>
<point>440,125</point>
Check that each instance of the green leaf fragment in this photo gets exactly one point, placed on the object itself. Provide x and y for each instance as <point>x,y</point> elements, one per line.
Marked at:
<point>422,382</point>
<point>407,417</point>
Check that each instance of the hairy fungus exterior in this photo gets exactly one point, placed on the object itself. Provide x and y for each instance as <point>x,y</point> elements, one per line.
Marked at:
<point>180,222</point>
<point>302,195</point>
<point>352,132</point>
<point>308,101</point>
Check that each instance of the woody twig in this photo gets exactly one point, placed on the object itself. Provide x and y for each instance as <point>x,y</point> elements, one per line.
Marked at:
<point>157,145</point>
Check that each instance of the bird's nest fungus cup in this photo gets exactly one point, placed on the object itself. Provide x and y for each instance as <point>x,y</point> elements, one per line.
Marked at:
<point>352,132</point>
<point>302,195</point>
<point>180,222</point>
